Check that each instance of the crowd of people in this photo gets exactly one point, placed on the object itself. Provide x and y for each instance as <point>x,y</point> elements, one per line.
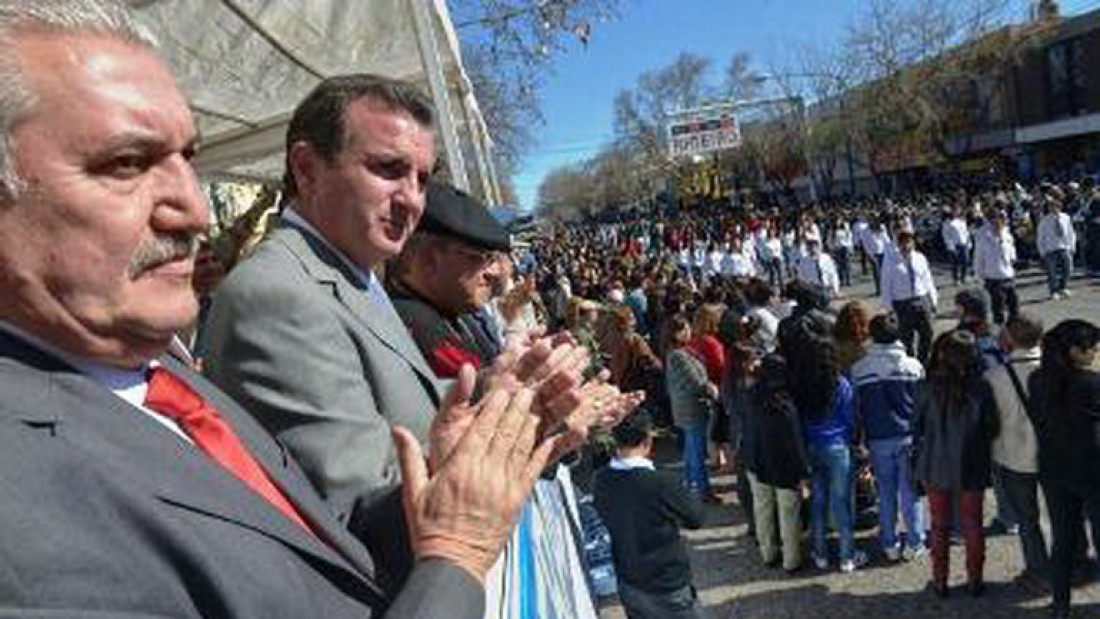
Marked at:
<point>755,354</point>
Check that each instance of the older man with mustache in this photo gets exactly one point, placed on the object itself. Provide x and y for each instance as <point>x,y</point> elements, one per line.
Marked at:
<point>129,485</point>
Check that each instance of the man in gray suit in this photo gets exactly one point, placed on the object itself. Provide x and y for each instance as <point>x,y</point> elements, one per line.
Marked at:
<point>305,337</point>
<point>129,486</point>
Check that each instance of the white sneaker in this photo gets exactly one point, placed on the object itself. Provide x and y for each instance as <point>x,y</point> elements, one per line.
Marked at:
<point>859,559</point>
<point>1066,294</point>
<point>914,554</point>
<point>820,562</point>
<point>893,554</point>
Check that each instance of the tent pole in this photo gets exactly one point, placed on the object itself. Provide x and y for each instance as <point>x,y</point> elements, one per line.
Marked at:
<point>428,45</point>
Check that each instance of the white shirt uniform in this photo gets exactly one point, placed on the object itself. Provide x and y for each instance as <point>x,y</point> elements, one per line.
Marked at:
<point>875,242</point>
<point>714,262</point>
<point>955,234</point>
<point>994,254</point>
<point>737,264</point>
<point>843,237</point>
<point>820,271</point>
<point>907,277</point>
<point>1056,232</point>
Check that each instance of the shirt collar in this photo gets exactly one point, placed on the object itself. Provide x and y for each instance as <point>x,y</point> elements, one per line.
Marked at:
<point>626,464</point>
<point>365,276</point>
<point>127,383</point>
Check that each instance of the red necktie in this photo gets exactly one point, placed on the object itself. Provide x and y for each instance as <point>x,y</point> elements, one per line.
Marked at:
<point>171,397</point>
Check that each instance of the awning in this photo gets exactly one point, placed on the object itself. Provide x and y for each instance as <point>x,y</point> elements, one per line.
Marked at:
<point>245,64</point>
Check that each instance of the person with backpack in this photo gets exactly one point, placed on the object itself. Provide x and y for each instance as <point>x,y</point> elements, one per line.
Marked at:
<point>1015,451</point>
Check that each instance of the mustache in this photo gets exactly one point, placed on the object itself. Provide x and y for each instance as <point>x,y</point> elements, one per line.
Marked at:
<point>161,249</point>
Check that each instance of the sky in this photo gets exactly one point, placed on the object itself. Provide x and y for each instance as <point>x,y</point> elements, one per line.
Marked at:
<point>650,34</point>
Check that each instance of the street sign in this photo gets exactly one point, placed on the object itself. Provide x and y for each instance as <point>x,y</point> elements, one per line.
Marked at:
<point>703,130</point>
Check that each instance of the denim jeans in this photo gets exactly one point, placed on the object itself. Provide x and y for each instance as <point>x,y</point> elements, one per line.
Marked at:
<point>696,476</point>
<point>894,483</point>
<point>1021,490</point>
<point>1059,266</point>
<point>831,471</point>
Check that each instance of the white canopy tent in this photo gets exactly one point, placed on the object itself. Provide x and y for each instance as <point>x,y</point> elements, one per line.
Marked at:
<point>245,64</point>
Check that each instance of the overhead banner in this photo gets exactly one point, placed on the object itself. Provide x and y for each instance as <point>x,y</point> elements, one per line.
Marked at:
<point>703,130</point>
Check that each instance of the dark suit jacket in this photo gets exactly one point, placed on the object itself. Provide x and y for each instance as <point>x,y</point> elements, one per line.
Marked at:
<point>102,510</point>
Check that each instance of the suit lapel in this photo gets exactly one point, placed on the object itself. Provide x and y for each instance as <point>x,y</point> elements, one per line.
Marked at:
<point>143,454</point>
<point>280,467</point>
<point>329,270</point>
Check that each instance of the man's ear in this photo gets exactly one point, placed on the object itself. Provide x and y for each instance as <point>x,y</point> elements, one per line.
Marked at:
<point>303,161</point>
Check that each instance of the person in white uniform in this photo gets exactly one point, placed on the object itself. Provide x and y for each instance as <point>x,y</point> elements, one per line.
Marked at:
<point>1057,241</point>
<point>994,255</point>
<point>818,269</point>
<point>910,290</point>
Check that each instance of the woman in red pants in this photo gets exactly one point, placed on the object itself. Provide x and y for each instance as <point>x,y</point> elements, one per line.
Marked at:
<point>954,422</point>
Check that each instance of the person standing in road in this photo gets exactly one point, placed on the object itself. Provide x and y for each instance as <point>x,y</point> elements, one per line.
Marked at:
<point>1016,451</point>
<point>954,424</point>
<point>644,509</point>
<point>1056,241</point>
<point>1065,408</point>
<point>817,270</point>
<point>885,382</point>
<point>994,258</point>
<point>956,238</point>
<point>843,241</point>
<point>910,290</point>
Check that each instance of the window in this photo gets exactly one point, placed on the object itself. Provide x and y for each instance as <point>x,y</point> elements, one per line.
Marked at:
<point>1066,79</point>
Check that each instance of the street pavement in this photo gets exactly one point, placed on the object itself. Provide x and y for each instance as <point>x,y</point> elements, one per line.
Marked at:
<point>733,583</point>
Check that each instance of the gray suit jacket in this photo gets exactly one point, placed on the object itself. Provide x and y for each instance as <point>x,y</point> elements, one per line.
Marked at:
<point>296,339</point>
<point>104,512</point>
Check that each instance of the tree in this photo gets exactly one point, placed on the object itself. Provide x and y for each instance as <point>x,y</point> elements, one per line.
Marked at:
<point>933,70</point>
<point>508,47</point>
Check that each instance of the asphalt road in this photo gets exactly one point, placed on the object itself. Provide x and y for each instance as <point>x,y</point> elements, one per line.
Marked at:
<point>733,583</point>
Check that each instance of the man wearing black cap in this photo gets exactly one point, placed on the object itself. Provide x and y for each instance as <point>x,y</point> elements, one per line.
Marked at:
<point>304,335</point>
<point>909,289</point>
<point>444,275</point>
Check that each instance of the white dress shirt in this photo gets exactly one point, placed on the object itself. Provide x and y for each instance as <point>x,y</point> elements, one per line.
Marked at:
<point>714,261</point>
<point>842,237</point>
<point>737,264</point>
<point>994,254</point>
<point>1056,232</point>
<point>955,233</point>
<point>875,242</point>
<point>819,270</point>
<point>907,277</point>
<point>129,384</point>
<point>627,464</point>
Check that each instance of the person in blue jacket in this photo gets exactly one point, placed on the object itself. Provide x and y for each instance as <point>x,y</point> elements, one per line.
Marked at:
<point>885,382</point>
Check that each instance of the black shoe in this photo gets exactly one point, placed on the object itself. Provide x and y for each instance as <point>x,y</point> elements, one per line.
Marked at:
<point>939,588</point>
<point>975,589</point>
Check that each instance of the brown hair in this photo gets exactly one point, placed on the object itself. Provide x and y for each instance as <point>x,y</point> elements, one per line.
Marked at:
<point>320,119</point>
<point>707,319</point>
